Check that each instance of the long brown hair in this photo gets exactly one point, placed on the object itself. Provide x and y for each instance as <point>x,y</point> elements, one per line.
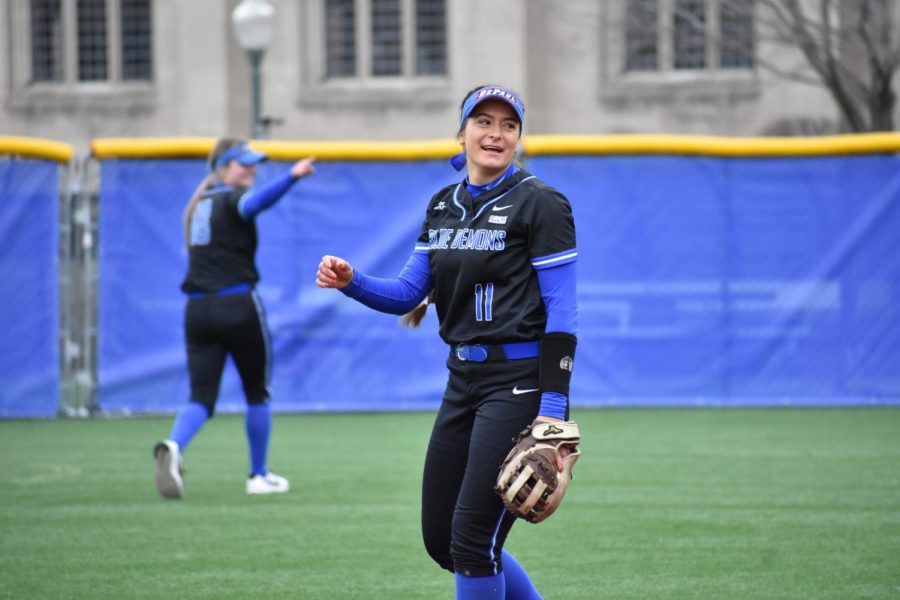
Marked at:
<point>222,146</point>
<point>413,318</point>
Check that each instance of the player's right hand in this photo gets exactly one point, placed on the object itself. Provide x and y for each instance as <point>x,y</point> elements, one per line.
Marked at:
<point>334,272</point>
<point>303,168</point>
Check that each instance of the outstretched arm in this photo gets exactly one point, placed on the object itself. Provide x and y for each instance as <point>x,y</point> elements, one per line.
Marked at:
<point>397,296</point>
<point>257,200</point>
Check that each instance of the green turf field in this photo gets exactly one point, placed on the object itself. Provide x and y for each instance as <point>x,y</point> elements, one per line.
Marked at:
<point>668,504</point>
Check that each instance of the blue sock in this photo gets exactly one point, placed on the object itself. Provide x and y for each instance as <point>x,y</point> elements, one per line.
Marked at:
<point>259,428</point>
<point>189,420</point>
<point>518,584</point>
<point>480,588</point>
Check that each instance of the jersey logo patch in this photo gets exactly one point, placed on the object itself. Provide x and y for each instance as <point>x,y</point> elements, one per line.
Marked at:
<point>502,207</point>
<point>498,219</point>
<point>440,206</point>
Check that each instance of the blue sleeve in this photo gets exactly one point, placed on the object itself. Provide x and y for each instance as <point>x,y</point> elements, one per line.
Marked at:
<point>558,292</point>
<point>397,296</point>
<point>255,201</point>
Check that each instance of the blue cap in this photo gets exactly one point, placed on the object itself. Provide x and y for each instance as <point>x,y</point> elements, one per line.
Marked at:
<point>492,92</point>
<point>488,92</point>
<point>242,153</point>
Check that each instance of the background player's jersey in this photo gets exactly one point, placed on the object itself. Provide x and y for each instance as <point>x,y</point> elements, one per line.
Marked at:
<point>483,256</point>
<point>222,245</point>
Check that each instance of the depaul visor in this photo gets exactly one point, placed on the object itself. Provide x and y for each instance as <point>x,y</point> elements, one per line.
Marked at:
<point>242,153</point>
<point>488,92</point>
<point>492,92</point>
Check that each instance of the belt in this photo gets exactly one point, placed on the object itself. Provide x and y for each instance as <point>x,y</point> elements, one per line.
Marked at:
<point>239,288</point>
<point>493,353</point>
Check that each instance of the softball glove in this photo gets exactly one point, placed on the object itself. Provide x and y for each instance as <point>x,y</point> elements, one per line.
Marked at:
<point>529,483</point>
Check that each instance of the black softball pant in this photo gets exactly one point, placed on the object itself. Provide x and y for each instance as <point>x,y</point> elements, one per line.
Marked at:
<point>216,326</point>
<point>464,522</point>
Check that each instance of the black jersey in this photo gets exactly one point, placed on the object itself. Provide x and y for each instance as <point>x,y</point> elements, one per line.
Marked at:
<point>484,255</point>
<point>222,245</point>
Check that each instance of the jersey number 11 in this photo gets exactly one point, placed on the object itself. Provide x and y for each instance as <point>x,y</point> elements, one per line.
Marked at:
<point>484,298</point>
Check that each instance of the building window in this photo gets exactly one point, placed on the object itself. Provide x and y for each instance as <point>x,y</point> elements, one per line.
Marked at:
<point>431,37</point>
<point>46,40</point>
<point>137,47</point>
<point>685,35</point>
<point>111,40</point>
<point>385,38</point>
<point>642,35</point>
<point>736,30</point>
<point>340,45</point>
<point>689,34</point>
<point>92,61</point>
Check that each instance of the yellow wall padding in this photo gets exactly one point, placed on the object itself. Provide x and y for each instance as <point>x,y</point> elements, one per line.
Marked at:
<point>36,148</point>
<point>277,150</point>
<point>861,143</point>
<point>537,145</point>
<point>189,147</point>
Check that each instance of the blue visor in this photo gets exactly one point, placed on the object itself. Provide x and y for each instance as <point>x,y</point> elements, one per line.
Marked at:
<point>242,153</point>
<point>493,92</point>
<point>488,92</point>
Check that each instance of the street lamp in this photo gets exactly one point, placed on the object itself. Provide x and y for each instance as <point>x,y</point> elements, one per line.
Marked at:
<point>252,21</point>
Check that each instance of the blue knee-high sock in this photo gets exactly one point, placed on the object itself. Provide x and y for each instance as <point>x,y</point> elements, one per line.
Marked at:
<point>518,584</point>
<point>480,588</point>
<point>189,420</point>
<point>259,428</point>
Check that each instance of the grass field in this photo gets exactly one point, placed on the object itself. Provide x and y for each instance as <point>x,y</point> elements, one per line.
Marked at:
<point>668,504</point>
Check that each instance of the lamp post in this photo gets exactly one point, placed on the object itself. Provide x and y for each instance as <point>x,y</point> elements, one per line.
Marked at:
<point>252,21</point>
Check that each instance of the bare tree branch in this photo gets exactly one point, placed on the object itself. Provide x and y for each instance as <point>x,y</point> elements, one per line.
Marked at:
<point>851,48</point>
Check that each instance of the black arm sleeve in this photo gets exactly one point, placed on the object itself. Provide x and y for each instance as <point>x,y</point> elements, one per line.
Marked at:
<point>556,360</point>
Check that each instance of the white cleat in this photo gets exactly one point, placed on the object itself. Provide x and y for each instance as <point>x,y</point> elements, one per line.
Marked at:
<point>270,483</point>
<point>168,470</point>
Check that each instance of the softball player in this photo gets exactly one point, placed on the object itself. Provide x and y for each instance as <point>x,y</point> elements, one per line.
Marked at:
<point>224,314</point>
<point>497,251</point>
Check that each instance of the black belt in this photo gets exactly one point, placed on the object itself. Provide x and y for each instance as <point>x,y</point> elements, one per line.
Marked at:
<point>493,353</point>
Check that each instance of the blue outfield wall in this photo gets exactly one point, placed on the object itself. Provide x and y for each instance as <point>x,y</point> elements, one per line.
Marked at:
<point>29,288</point>
<point>702,281</point>
<point>735,281</point>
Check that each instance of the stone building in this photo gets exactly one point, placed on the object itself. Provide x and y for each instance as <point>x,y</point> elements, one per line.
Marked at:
<point>74,70</point>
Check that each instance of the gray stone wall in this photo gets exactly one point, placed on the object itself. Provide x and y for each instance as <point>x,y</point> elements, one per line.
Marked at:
<point>563,55</point>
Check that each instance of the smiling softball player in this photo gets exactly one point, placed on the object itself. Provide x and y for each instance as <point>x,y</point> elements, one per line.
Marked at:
<point>497,253</point>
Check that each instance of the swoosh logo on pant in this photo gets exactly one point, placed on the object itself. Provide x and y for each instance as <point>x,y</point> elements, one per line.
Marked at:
<point>517,391</point>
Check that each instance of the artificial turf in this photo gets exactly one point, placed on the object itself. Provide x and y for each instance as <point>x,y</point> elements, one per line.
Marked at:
<point>665,503</point>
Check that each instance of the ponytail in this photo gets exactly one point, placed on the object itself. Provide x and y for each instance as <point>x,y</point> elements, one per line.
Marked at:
<point>222,145</point>
<point>413,318</point>
<point>192,203</point>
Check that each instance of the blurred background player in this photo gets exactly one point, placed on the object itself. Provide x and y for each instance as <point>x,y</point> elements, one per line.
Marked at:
<point>497,251</point>
<point>224,315</point>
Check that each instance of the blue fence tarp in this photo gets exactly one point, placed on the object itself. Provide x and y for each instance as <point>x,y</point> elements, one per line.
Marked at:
<point>29,288</point>
<point>735,281</point>
<point>720,281</point>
